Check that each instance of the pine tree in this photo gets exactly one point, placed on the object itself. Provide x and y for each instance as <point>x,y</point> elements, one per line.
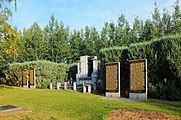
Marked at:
<point>156,21</point>
<point>123,31</point>
<point>148,29</point>
<point>61,43</point>
<point>75,42</point>
<point>104,36</point>
<point>112,34</point>
<point>95,42</point>
<point>137,31</point>
<point>33,45</point>
<point>176,17</point>
<point>166,22</point>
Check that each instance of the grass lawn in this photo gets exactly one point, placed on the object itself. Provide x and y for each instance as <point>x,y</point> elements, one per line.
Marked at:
<point>70,105</point>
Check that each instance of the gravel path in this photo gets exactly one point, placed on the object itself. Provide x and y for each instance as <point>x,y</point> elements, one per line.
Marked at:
<point>122,99</point>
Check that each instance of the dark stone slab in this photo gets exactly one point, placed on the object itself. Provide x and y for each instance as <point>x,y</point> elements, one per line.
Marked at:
<point>7,107</point>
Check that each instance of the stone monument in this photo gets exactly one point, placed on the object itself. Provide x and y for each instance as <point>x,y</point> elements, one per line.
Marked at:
<point>138,79</point>
<point>87,72</point>
<point>113,88</point>
<point>29,78</point>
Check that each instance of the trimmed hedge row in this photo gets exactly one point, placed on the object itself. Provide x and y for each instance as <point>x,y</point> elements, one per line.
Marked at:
<point>45,73</point>
<point>164,64</point>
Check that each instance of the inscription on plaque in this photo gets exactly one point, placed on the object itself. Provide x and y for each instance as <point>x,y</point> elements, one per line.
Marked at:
<point>112,77</point>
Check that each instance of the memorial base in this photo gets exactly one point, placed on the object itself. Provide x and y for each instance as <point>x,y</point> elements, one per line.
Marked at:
<point>112,94</point>
<point>140,96</point>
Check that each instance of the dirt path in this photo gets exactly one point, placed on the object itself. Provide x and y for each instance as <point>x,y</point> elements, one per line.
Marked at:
<point>139,115</point>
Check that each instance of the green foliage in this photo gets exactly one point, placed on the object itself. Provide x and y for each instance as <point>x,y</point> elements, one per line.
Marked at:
<point>45,72</point>
<point>164,64</point>
<point>32,44</point>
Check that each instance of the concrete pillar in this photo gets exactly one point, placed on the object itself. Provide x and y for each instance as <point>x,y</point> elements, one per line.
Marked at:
<point>65,86</point>
<point>78,68</point>
<point>74,86</point>
<point>58,85</point>
<point>95,64</point>
<point>84,66</point>
<point>84,89</point>
<point>27,79</point>
<point>119,79</point>
<point>51,85</point>
<point>146,78</point>
<point>94,86</point>
<point>89,88</point>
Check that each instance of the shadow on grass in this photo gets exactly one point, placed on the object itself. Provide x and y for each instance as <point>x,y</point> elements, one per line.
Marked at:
<point>5,87</point>
<point>171,108</point>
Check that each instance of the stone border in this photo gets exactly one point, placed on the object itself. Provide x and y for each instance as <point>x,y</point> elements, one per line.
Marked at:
<point>12,109</point>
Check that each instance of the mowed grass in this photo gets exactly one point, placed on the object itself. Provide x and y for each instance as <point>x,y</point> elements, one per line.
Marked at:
<point>70,105</point>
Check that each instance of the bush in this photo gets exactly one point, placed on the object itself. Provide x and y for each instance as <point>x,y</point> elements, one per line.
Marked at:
<point>164,64</point>
<point>45,72</point>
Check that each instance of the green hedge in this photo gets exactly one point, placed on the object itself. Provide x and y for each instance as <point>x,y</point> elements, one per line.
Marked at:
<point>45,72</point>
<point>164,64</point>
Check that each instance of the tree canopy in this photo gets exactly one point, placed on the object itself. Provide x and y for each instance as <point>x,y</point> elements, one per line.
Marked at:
<point>57,43</point>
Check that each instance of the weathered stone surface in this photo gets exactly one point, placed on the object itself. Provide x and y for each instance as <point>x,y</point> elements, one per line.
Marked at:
<point>112,77</point>
<point>24,77</point>
<point>137,76</point>
<point>31,77</point>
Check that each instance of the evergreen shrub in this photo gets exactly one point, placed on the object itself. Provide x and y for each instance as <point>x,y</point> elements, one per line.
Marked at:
<point>45,72</point>
<point>164,64</point>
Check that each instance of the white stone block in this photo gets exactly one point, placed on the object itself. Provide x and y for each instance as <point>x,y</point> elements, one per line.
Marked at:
<point>74,86</point>
<point>51,86</point>
<point>65,86</point>
<point>112,94</point>
<point>87,88</point>
<point>58,85</point>
<point>140,96</point>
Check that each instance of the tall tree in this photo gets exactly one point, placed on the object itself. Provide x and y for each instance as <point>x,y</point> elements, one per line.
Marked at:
<point>5,28</point>
<point>61,43</point>
<point>137,31</point>
<point>112,34</point>
<point>148,29</point>
<point>87,41</point>
<point>156,21</point>
<point>123,31</point>
<point>176,18</point>
<point>33,44</point>
<point>90,41</point>
<point>104,36</point>
<point>166,22</point>
<point>51,37</point>
<point>37,42</point>
<point>75,42</point>
<point>95,41</point>
<point>10,47</point>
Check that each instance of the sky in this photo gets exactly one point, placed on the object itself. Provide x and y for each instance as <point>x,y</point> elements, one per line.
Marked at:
<point>80,13</point>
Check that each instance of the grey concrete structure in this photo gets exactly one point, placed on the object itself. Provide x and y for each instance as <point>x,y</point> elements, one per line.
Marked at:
<point>51,85</point>
<point>87,72</point>
<point>65,86</point>
<point>87,88</point>
<point>74,86</point>
<point>58,85</point>
<point>140,96</point>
